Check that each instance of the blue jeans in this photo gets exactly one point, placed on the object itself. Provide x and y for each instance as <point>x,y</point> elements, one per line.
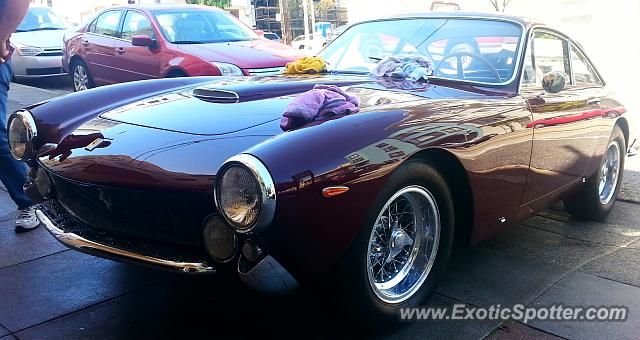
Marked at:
<point>13,174</point>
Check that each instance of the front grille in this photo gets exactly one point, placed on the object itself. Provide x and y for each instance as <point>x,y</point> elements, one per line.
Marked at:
<point>44,71</point>
<point>174,217</point>
<point>270,71</point>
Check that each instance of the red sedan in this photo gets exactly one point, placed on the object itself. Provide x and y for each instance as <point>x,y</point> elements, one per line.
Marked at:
<point>144,42</point>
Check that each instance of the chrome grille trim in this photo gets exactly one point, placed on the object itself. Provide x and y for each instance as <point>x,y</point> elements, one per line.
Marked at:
<point>269,71</point>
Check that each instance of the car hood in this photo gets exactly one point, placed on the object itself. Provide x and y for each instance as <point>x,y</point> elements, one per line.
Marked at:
<point>39,38</point>
<point>260,53</point>
<point>204,110</point>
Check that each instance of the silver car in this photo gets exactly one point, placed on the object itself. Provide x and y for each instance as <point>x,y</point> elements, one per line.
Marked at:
<point>38,44</point>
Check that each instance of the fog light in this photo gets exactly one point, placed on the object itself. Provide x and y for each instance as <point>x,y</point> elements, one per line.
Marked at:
<point>219,240</point>
<point>43,184</point>
<point>251,250</point>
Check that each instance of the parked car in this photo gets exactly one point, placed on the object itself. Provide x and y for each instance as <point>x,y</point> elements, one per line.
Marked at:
<point>38,44</point>
<point>162,41</point>
<point>196,175</point>
<point>272,36</point>
<point>310,43</point>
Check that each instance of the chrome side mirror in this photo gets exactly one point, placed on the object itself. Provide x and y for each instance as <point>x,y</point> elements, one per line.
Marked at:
<point>554,82</point>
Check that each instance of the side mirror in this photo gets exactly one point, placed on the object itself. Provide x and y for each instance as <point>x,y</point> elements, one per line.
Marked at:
<point>554,82</point>
<point>142,40</point>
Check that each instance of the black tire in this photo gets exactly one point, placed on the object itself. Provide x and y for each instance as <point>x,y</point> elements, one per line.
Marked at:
<point>80,67</point>
<point>586,202</point>
<point>357,295</point>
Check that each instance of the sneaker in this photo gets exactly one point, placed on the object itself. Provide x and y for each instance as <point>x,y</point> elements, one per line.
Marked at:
<point>27,220</point>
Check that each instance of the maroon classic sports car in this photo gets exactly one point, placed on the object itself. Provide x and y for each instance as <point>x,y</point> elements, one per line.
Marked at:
<point>138,42</point>
<point>514,118</point>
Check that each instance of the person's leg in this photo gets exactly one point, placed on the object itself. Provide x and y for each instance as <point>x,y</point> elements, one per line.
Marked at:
<point>13,173</point>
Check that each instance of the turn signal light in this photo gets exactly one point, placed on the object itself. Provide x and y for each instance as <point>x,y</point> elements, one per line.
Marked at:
<point>334,191</point>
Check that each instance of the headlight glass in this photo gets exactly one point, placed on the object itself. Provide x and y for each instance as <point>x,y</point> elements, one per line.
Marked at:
<point>28,51</point>
<point>22,132</point>
<point>240,196</point>
<point>228,69</point>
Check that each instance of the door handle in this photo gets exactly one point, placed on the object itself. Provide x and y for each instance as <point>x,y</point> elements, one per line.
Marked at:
<point>85,43</point>
<point>595,101</point>
<point>120,50</point>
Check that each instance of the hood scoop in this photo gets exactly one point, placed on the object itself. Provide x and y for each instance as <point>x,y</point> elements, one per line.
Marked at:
<point>216,96</point>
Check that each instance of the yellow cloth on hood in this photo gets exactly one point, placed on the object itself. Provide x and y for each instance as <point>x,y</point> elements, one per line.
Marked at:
<point>306,65</point>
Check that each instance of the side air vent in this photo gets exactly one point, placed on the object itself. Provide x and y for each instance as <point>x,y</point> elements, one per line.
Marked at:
<point>216,96</point>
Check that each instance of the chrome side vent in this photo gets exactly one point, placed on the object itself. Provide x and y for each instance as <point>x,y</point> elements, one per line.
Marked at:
<point>216,96</point>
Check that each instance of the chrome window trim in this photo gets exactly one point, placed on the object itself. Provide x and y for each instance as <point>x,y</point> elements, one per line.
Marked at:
<point>267,188</point>
<point>32,130</point>
<point>519,53</point>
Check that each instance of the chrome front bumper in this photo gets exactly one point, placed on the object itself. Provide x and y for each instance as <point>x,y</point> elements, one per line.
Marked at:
<point>265,275</point>
<point>46,213</point>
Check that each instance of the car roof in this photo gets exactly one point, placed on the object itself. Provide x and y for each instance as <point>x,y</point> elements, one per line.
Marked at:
<point>524,21</point>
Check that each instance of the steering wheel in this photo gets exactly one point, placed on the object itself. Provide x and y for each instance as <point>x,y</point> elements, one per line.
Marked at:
<point>460,69</point>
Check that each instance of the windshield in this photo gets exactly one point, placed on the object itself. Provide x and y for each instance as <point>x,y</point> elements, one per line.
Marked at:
<point>466,49</point>
<point>199,26</point>
<point>42,18</point>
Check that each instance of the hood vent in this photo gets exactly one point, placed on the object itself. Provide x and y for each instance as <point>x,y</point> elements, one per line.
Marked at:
<point>216,96</point>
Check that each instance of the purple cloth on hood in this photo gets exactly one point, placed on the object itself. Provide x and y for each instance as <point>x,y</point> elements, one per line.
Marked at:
<point>321,102</point>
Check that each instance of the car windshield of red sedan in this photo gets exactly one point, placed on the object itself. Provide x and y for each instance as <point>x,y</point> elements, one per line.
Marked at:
<point>199,26</point>
<point>41,19</point>
<point>475,50</point>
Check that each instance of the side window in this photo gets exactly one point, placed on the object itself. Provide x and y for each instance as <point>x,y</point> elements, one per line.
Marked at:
<point>528,72</point>
<point>583,73</point>
<point>107,23</point>
<point>551,54</point>
<point>92,27</point>
<point>136,23</point>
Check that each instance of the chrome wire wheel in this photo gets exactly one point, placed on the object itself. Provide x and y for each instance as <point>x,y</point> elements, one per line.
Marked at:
<point>80,78</point>
<point>403,244</point>
<point>609,173</point>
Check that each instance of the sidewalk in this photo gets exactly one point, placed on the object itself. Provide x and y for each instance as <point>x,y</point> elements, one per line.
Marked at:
<point>19,97</point>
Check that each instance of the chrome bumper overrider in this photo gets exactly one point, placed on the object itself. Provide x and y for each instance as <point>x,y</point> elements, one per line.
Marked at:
<point>77,242</point>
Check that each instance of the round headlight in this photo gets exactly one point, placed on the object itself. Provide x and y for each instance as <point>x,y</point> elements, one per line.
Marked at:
<point>219,240</point>
<point>245,193</point>
<point>22,133</point>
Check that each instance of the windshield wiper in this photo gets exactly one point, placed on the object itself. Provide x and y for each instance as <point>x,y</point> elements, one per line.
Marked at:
<point>188,42</point>
<point>42,29</point>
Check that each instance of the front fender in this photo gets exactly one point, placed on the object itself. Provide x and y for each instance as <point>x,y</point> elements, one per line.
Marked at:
<point>57,118</point>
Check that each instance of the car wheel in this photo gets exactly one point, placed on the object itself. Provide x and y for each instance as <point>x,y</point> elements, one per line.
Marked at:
<point>596,198</point>
<point>402,251</point>
<point>82,79</point>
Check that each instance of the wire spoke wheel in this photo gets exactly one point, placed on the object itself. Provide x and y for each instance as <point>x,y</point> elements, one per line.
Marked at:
<point>403,244</point>
<point>609,173</point>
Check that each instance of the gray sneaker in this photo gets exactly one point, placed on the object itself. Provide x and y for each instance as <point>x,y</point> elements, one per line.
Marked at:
<point>27,220</point>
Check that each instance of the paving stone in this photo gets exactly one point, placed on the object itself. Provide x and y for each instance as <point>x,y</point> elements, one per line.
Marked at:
<point>635,245</point>
<point>623,265</point>
<point>517,331</point>
<point>21,247</point>
<point>483,277</point>
<point>3,331</point>
<point>55,285</point>
<point>581,289</point>
<point>583,231</point>
<point>630,189</point>
<point>540,246</point>
<point>613,224</point>
<point>444,329</point>
<point>7,206</point>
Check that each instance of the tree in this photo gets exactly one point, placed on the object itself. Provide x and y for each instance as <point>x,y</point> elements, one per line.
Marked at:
<point>325,5</point>
<point>215,3</point>
<point>497,6</point>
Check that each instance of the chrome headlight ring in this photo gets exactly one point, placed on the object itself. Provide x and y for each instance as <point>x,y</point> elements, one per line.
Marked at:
<point>266,195</point>
<point>22,132</point>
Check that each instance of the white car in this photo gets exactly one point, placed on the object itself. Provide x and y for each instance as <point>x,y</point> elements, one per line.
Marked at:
<point>38,44</point>
<point>310,43</point>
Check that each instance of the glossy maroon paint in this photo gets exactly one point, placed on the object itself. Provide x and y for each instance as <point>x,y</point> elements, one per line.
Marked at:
<point>113,60</point>
<point>514,161</point>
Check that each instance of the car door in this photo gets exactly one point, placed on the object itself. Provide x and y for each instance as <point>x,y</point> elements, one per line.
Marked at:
<point>99,46</point>
<point>564,134</point>
<point>136,62</point>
